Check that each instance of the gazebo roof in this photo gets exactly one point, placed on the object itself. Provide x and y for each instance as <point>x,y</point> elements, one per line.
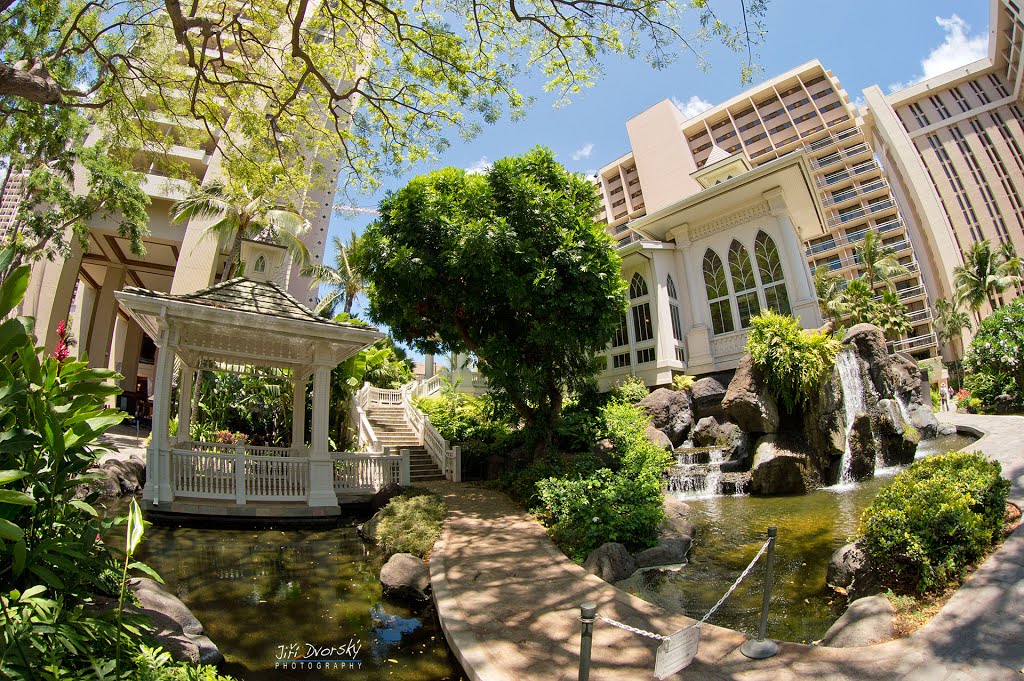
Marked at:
<point>245,320</point>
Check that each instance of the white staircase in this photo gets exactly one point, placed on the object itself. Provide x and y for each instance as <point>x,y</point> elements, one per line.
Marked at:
<point>394,432</point>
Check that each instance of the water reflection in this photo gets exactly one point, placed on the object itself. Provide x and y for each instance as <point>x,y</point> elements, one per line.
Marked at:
<point>264,595</point>
<point>731,529</point>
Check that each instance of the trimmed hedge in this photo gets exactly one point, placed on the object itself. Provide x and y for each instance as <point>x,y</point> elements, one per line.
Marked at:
<point>936,518</point>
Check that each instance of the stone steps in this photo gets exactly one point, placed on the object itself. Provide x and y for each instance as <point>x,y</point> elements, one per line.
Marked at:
<point>393,431</point>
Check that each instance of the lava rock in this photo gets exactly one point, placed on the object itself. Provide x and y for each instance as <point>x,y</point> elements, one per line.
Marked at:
<point>173,624</point>
<point>405,576</point>
<point>866,621</point>
<point>747,401</point>
<point>368,530</point>
<point>611,562</point>
<point>851,570</point>
<point>676,522</point>
<point>862,447</point>
<point>780,469</point>
<point>658,438</point>
<point>670,412</point>
<point>667,552</point>
<point>385,494</point>
<point>1004,404</point>
<point>735,443</point>
<point>896,438</point>
<point>706,395</point>
<point>869,343</point>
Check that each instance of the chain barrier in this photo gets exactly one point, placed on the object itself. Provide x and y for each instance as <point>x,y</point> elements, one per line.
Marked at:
<point>705,618</point>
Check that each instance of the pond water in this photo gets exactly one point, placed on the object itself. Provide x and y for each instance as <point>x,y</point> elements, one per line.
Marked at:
<point>268,594</point>
<point>730,530</point>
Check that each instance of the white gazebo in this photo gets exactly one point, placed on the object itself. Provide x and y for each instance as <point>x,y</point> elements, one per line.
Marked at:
<point>236,326</point>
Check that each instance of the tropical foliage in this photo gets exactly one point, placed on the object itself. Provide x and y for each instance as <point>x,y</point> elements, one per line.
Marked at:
<point>343,280</point>
<point>879,261</point>
<point>500,264</point>
<point>258,406</point>
<point>985,274</point>
<point>936,518</point>
<point>242,214</point>
<point>994,360</point>
<point>410,523</point>
<point>793,361</point>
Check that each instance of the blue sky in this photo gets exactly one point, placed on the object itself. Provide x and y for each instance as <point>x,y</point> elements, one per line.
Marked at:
<point>884,42</point>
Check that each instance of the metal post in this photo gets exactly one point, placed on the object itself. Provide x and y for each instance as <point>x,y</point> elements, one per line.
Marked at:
<point>588,612</point>
<point>761,648</point>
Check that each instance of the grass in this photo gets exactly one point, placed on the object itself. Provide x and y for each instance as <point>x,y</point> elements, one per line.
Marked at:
<point>411,522</point>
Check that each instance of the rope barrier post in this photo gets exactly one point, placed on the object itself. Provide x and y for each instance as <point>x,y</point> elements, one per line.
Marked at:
<point>588,612</point>
<point>761,647</point>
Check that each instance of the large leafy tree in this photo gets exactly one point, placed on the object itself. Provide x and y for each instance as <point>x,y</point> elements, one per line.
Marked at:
<point>242,214</point>
<point>984,275</point>
<point>381,82</point>
<point>508,265</point>
<point>830,290</point>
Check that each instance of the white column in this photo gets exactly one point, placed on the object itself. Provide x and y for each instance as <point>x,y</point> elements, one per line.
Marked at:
<point>321,474</point>
<point>103,316</point>
<point>159,448</point>
<point>185,384</point>
<point>298,443</point>
<point>428,366</point>
<point>790,236</point>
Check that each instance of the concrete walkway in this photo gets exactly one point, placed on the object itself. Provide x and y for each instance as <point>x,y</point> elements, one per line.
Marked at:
<point>508,601</point>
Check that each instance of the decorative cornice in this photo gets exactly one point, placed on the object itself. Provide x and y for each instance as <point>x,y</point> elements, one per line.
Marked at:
<point>706,229</point>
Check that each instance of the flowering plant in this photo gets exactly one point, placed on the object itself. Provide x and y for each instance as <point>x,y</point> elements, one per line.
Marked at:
<point>994,361</point>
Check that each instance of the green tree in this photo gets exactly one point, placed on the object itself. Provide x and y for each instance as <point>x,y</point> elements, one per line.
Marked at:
<point>344,281</point>
<point>830,290</point>
<point>879,261</point>
<point>381,84</point>
<point>984,275</point>
<point>509,265</point>
<point>891,316</point>
<point>950,320</point>
<point>243,215</point>
<point>860,303</point>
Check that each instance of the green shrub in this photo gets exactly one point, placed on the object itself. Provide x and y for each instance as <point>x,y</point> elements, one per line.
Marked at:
<point>994,360</point>
<point>794,362</point>
<point>460,418</point>
<point>630,391</point>
<point>936,399</point>
<point>936,518</point>
<point>411,522</point>
<point>682,382</point>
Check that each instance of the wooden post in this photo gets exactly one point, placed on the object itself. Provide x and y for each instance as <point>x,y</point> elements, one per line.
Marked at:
<point>406,474</point>
<point>239,474</point>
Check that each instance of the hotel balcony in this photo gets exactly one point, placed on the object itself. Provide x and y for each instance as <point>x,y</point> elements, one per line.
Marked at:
<point>853,238</point>
<point>862,168</point>
<point>838,155</point>
<point>914,343</point>
<point>825,142</point>
<point>838,219</point>
<point>867,190</point>
<point>909,293</point>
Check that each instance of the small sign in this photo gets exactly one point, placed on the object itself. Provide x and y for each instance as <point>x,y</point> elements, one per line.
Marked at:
<point>677,652</point>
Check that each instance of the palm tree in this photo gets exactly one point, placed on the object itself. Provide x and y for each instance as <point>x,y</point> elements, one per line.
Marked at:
<point>891,316</point>
<point>243,216</point>
<point>880,262</point>
<point>344,279</point>
<point>859,299</point>
<point>984,274</point>
<point>830,289</point>
<point>950,322</point>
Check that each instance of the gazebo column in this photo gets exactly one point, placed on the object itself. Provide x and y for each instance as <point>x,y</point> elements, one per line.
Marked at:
<point>158,458</point>
<point>298,443</point>
<point>185,384</point>
<point>321,473</point>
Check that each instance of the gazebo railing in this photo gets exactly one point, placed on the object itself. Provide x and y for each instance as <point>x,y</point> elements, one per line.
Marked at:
<point>251,450</point>
<point>357,472</point>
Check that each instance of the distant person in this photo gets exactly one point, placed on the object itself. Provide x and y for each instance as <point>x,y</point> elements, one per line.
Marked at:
<point>944,392</point>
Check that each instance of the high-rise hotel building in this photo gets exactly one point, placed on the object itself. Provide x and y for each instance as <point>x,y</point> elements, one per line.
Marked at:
<point>953,147</point>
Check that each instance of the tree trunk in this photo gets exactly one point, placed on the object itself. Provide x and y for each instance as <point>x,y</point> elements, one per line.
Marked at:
<point>233,255</point>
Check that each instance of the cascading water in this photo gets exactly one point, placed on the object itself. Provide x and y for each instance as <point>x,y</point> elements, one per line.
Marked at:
<point>853,404</point>
<point>697,473</point>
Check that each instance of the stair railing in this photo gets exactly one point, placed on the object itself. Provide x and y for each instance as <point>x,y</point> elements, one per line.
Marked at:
<point>366,438</point>
<point>447,458</point>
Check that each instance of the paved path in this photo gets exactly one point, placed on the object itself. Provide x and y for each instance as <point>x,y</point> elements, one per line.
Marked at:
<point>508,600</point>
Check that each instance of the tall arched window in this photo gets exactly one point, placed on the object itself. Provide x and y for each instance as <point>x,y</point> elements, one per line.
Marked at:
<point>743,283</point>
<point>673,311</point>
<point>773,280</point>
<point>260,265</point>
<point>637,287</point>
<point>718,293</point>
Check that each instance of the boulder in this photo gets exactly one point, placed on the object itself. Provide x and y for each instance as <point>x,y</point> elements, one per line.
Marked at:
<point>107,486</point>
<point>676,522</point>
<point>946,429</point>
<point>405,576</point>
<point>868,342</point>
<point>385,494</point>
<point>747,401</point>
<point>825,422</point>
<point>173,624</point>
<point>779,469</point>
<point>667,552</point>
<point>735,443</point>
<point>1004,404</point>
<point>923,419</point>
<point>670,412</point>
<point>862,447</point>
<point>897,441</point>
<point>368,530</point>
<point>866,621</point>
<point>706,395</point>
<point>658,438</point>
<point>705,432</point>
<point>850,569</point>
<point>611,562</point>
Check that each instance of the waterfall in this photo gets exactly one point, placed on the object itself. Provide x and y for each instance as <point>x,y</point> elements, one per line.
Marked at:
<point>853,403</point>
<point>697,473</point>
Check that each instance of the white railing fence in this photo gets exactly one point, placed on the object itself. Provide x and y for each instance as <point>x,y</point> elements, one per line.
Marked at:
<point>366,438</point>
<point>356,472</point>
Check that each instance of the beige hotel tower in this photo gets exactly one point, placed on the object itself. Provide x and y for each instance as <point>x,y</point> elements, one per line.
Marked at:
<point>930,169</point>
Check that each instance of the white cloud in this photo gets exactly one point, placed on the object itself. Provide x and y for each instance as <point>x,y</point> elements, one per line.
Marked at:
<point>957,49</point>
<point>481,166</point>
<point>694,106</point>
<point>583,152</point>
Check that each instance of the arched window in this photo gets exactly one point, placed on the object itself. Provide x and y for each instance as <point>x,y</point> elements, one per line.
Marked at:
<point>637,287</point>
<point>260,265</point>
<point>671,288</point>
<point>718,293</point>
<point>773,280</point>
<point>743,283</point>
<point>673,310</point>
